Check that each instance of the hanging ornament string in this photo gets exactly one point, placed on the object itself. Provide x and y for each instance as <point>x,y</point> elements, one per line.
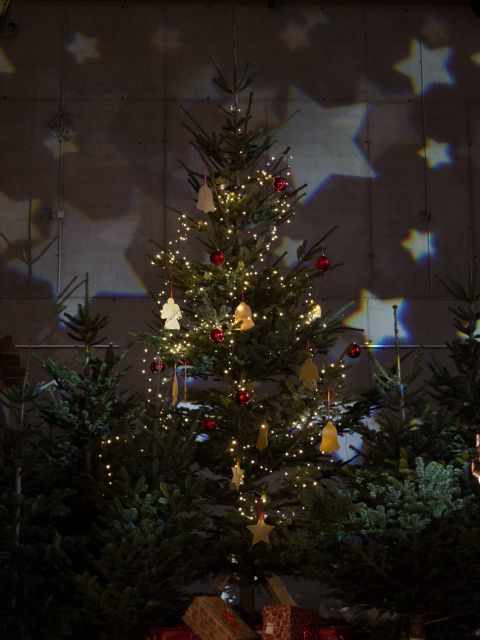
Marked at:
<point>171,284</point>
<point>234,40</point>
<point>328,403</point>
<point>260,509</point>
<point>185,381</point>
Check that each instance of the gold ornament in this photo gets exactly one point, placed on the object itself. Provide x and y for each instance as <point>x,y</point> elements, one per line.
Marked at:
<point>171,314</point>
<point>237,475</point>
<point>262,440</point>
<point>175,387</point>
<point>329,442</point>
<point>315,312</point>
<point>475,463</point>
<point>205,199</point>
<point>260,530</point>
<point>308,371</point>
<point>243,315</point>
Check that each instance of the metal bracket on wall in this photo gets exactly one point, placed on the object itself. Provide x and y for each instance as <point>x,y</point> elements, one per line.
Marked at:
<point>61,127</point>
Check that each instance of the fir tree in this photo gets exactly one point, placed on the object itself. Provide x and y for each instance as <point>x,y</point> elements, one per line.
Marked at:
<point>399,532</point>
<point>34,557</point>
<point>247,369</point>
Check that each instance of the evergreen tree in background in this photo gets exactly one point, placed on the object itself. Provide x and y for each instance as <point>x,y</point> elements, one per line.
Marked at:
<point>35,567</point>
<point>400,532</point>
<point>242,329</point>
<point>457,389</point>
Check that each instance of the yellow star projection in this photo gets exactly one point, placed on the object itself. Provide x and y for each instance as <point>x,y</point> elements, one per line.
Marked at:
<point>375,315</point>
<point>419,244</point>
<point>436,153</point>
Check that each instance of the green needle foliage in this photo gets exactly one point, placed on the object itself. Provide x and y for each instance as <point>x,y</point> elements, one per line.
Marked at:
<point>406,547</point>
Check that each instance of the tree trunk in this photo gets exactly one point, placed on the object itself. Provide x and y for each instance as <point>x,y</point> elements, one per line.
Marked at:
<point>88,460</point>
<point>18,493</point>
<point>416,629</point>
<point>247,596</point>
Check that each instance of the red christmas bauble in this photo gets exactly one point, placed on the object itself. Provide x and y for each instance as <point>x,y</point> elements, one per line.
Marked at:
<point>243,396</point>
<point>157,367</point>
<point>217,335</point>
<point>209,424</point>
<point>280,184</point>
<point>354,351</point>
<point>217,258</point>
<point>322,263</point>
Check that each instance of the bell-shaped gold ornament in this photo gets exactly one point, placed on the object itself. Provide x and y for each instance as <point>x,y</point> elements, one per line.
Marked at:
<point>329,442</point>
<point>243,315</point>
<point>205,199</point>
<point>308,371</point>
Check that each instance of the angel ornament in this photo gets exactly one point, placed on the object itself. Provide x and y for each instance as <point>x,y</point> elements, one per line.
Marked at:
<point>171,314</point>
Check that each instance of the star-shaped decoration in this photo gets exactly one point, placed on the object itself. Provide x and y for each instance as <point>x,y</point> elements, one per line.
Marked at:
<point>83,48</point>
<point>325,140</point>
<point>419,244</point>
<point>5,65</point>
<point>261,531</point>
<point>289,247</point>
<point>51,141</point>
<point>375,315</point>
<point>237,475</point>
<point>436,153</point>
<point>426,67</point>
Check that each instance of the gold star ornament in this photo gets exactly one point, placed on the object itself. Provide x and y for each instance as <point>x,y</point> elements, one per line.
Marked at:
<point>237,475</point>
<point>261,531</point>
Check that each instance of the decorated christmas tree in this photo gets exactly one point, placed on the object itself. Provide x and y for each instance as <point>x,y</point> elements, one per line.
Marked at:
<point>239,347</point>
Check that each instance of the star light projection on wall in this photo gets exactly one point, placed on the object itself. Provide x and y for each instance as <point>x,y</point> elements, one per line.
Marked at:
<point>325,140</point>
<point>419,244</point>
<point>436,153</point>
<point>83,48</point>
<point>426,67</point>
<point>376,316</point>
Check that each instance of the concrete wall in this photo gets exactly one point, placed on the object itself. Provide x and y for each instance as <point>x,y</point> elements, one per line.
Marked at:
<point>375,85</point>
